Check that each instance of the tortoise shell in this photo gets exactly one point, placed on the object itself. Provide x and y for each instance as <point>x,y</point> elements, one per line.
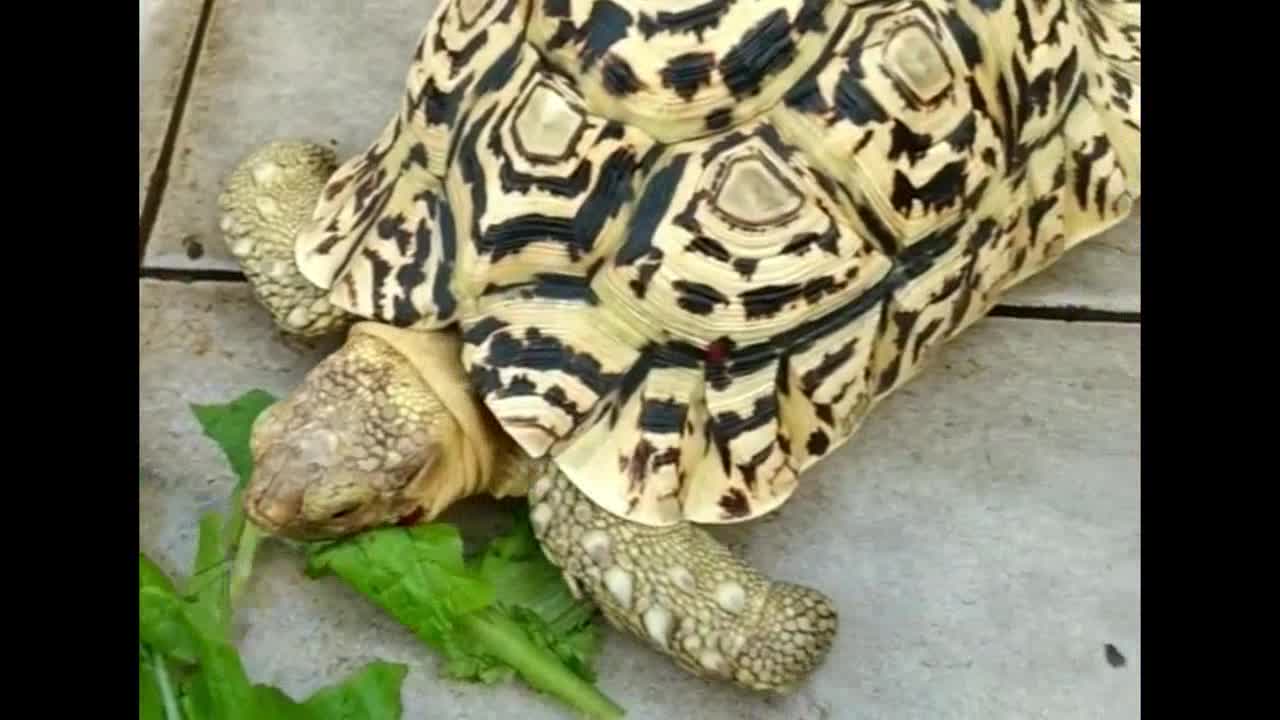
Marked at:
<point>691,243</point>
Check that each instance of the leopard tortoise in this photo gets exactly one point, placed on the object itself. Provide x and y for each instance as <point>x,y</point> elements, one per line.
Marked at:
<point>644,262</point>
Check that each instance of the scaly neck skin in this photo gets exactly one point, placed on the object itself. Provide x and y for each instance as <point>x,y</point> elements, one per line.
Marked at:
<point>485,459</point>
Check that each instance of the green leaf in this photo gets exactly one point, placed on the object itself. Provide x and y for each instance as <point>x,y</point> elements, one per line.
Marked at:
<point>372,693</point>
<point>510,613</point>
<point>242,563</point>
<point>209,586</point>
<point>419,576</point>
<point>221,688</point>
<point>532,592</point>
<point>163,625</point>
<point>150,575</point>
<point>476,668</point>
<point>150,699</point>
<point>188,629</point>
<point>193,627</point>
<point>574,639</point>
<point>230,425</point>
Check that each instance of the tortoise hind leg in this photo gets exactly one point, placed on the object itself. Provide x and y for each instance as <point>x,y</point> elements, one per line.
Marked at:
<point>684,593</point>
<point>269,198</point>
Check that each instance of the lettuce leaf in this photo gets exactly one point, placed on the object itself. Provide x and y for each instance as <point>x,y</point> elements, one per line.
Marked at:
<point>506,613</point>
<point>189,669</point>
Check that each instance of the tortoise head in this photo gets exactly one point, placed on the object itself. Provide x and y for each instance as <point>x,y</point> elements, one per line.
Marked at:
<point>356,446</point>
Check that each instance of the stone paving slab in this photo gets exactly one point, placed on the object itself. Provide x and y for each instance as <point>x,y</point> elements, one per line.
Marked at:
<point>325,70</point>
<point>1103,274</point>
<point>980,536</point>
<point>167,29</point>
<point>334,70</point>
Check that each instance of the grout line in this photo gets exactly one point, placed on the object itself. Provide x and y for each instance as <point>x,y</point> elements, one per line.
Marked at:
<point>1066,313</point>
<point>160,175</point>
<point>190,276</point>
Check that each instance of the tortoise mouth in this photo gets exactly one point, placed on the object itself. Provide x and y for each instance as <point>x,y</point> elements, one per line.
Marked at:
<point>412,517</point>
<point>273,518</point>
<point>266,524</point>
<point>278,521</point>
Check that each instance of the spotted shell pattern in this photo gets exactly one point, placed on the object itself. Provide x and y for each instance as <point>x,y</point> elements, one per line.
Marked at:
<point>691,243</point>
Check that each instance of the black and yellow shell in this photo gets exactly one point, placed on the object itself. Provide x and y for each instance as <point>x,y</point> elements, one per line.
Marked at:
<point>691,243</point>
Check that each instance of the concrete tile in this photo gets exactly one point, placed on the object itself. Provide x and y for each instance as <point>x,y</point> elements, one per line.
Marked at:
<point>166,31</point>
<point>200,343</point>
<point>1103,274</point>
<point>333,69</point>
<point>980,536</point>
<point>326,70</point>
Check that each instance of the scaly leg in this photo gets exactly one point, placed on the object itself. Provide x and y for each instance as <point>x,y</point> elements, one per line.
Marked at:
<point>684,593</point>
<point>268,199</point>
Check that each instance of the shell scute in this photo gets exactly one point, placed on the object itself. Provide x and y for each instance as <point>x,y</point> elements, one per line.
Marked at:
<point>685,69</point>
<point>383,236</point>
<point>541,185</point>
<point>736,236</point>
<point>689,249</point>
<point>890,112</point>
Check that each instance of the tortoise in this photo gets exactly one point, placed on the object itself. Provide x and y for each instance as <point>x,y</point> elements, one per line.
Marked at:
<point>645,262</point>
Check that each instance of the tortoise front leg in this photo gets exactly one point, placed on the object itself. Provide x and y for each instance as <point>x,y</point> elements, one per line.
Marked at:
<point>684,593</point>
<point>269,198</point>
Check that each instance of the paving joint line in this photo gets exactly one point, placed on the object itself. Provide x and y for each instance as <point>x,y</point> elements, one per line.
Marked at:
<point>193,275</point>
<point>1060,313</point>
<point>159,179</point>
<point>1066,313</point>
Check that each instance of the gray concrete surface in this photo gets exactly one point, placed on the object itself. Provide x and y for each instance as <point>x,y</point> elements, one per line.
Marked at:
<point>980,535</point>
<point>166,29</point>
<point>330,71</point>
<point>1103,274</point>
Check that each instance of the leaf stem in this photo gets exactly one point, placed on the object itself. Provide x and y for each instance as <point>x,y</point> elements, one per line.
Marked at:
<point>539,667</point>
<point>242,566</point>
<point>159,667</point>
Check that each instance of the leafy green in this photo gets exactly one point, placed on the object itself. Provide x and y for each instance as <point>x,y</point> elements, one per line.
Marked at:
<point>156,699</point>
<point>507,613</point>
<point>190,670</point>
<point>164,626</point>
<point>209,589</point>
<point>418,572</point>
<point>230,425</point>
<point>534,593</point>
<point>221,689</point>
<point>372,692</point>
<point>150,699</point>
<point>151,576</point>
